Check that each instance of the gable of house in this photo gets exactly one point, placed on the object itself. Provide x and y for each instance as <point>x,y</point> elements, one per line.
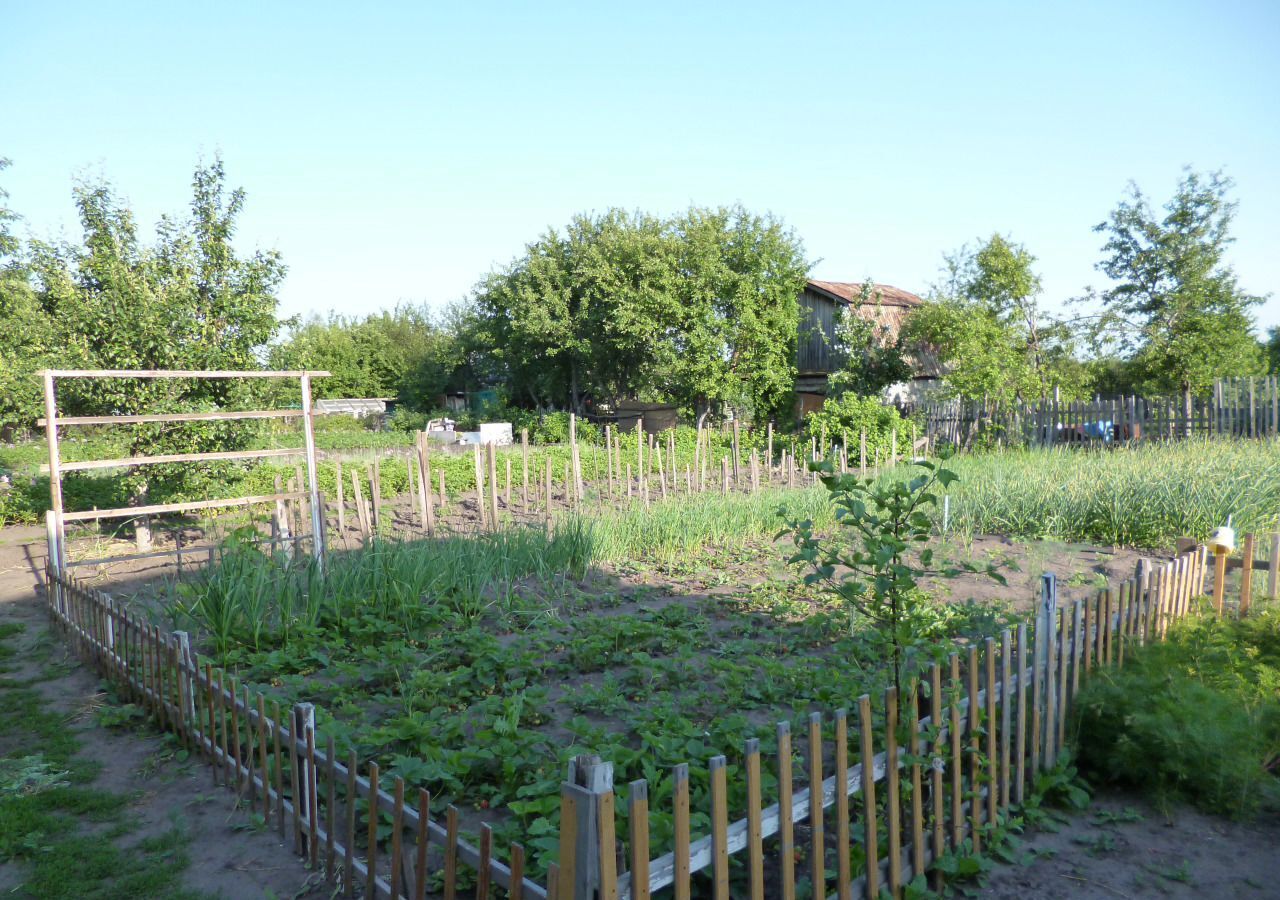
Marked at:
<point>821,305</point>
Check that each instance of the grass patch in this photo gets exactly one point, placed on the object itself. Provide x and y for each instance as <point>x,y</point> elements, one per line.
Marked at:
<point>65,834</point>
<point>1143,496</point>
<point>1194,718</point>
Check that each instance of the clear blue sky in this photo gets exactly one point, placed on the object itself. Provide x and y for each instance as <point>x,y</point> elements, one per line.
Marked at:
<point>397,151</point>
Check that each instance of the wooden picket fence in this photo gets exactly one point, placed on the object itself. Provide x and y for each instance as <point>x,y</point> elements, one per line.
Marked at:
<point>1243,407</point>
<point>960,746</point>
<point>954,758</point>
<point>326,805</point>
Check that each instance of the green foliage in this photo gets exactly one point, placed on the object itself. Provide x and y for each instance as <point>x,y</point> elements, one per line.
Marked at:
<point>701,308</point>
<point>879,557</point>
<point>849,415</point>
<point>1195,717</point>
<point>1176,306</point>
<point>407,353</point>
<point>871,355</point>
<point>1145,496</point>
<point>987,327</point>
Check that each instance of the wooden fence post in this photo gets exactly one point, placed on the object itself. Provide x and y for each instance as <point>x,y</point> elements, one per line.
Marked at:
<point>302,734</point>
<point>1048,620</point>
<point>586,798</point>
<point>186,679</point>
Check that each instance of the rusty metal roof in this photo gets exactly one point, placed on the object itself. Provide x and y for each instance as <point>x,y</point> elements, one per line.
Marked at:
<point>851,291</point>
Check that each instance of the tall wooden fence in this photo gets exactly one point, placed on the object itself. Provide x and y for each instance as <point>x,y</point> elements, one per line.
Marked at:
<point>1244,407</point>
<point>962,744</point>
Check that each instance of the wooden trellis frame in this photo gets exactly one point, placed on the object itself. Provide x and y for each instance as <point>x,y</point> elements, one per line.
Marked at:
<point>58,516</point>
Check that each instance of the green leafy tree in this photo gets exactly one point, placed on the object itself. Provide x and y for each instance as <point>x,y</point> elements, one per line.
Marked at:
<point>404,353</point>
<point>1271,350</point>
<point>871,355</point>
<point>29,337</point>
<point>1176,306</point>
<point>190,301</point>
<point>701,308</point>
<point>875,565</point>
<point>988,326</point>
<point>733,323</point>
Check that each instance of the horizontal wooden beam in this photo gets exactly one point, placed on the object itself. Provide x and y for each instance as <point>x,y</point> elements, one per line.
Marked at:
<point>174,458</point>
<point>222,416</point>
<point>129,512</point>
<point>175,373</point>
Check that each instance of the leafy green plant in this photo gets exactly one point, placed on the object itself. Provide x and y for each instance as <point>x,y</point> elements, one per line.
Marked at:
<point>1195,717</point>
<point>875,566</point>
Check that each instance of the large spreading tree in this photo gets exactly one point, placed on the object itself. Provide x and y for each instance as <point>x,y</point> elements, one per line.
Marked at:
<point>1176,307</point>
<point>189,300</point>
<point>701,307</point>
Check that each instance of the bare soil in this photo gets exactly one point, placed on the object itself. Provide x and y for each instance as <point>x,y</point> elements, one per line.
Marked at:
<point>1124,847</point>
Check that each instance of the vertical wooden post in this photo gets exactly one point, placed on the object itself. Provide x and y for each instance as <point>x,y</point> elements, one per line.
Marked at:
<point>524,456</point>
<point>585,797</point>
<point>737,451</point>
<point>862,455</point>
<point>1219,581</point>
<point>492,451</point>
<point>302,732</point>
<point>58,559</point>
<point>313,485</point>
<point>342,506</point>
<point>1246,571</point>
<point>1048,620</point>
<point>479,466</point>
<point>575,458</point>
<point>769,448</point>
<point>424,483</point>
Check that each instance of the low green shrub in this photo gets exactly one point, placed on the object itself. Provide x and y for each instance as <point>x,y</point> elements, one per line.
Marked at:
<point>1194,718</point>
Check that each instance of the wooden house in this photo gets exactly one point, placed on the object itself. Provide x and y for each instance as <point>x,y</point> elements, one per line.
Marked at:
<point>821,305</point>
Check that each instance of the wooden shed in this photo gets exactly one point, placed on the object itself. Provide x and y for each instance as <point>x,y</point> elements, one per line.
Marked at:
<point>821,305</point>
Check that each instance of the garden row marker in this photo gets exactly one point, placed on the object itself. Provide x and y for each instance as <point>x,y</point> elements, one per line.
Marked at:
<point>492,452</point>
<point>479,469</point>
<point>524,461</point>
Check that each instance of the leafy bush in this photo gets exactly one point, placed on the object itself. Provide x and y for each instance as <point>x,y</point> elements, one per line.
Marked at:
<point>1195,718</point>
<point>339,423</point>
<point>849,414</point>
